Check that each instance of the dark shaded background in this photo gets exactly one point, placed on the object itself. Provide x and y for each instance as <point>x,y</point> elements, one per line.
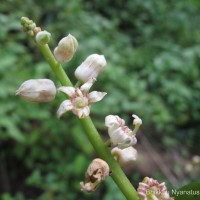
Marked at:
<point>153,55</point>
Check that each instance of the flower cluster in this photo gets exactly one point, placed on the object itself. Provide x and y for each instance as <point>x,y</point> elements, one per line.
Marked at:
<point>79,101</point>
<point>44,90</point>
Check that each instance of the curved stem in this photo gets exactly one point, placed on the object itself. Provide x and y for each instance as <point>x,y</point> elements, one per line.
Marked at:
<point>117,174</point>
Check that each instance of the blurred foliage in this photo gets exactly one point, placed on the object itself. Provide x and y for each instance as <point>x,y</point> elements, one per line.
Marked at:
<point>188,192</point>
<point>153,54</point>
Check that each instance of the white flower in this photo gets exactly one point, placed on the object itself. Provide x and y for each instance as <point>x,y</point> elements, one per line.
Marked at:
<point>150,189</point>
<point>90,68</point>
<point>66,48</point>
<point>120,134</point>
<point>79,99</point>
<point>124,156</point>
<point>37,90</point>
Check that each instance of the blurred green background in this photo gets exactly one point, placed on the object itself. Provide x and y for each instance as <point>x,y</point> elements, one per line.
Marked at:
<point>152,49</point>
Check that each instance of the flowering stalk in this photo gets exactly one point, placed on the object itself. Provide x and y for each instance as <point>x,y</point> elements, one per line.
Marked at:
<point>117,174</point>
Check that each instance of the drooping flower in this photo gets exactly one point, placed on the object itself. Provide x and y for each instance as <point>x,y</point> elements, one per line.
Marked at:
<point>150,189</point>
<point>124,156</point>
<point>119,133</point>
<point>66,48</point>
<point>90,68</point>
<point>97,172</point>
<point>79,99</point>
<point>37,90</point>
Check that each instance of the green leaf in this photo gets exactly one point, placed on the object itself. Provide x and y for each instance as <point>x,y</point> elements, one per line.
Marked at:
<point>187,192</point>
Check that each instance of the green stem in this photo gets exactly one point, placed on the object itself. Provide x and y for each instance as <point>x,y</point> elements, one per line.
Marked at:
<point>55,65</point>
<point>117,174</point>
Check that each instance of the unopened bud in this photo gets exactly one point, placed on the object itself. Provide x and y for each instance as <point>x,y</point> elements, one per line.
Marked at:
<point>37,90</point>
<point>97,171</point>
<point>137,121</point>
<point>90,68</point>
<point>29,26</point>
<point>43,37</point>
<point>124,156</point>
<point>66,49</point>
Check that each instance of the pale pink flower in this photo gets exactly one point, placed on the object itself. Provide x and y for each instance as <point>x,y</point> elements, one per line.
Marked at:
<point>79,99</point>
<point>150,188</point>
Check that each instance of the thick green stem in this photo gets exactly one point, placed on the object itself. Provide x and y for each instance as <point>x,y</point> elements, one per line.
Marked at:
<point>117,174</point>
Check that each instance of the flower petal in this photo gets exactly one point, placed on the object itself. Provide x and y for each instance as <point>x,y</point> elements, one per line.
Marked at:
<point>64,107</point>
<point>70,91</point>
<point>96,96</point>
<point>111,120</point>
<point>117,136</point>
<point>86,86</point>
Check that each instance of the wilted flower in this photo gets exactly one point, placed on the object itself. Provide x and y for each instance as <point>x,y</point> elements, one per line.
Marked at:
<point>150,189</point>
<point>66,48</point>
<point>79,99</point>
<point>124,156</point>
<point>119,133</point>
<point>90,68</point>
<point>43,37</point>
<point>37,90</point>
<point>97,171</point>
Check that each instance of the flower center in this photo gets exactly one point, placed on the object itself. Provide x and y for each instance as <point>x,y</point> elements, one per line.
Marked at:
<point>80,102</point>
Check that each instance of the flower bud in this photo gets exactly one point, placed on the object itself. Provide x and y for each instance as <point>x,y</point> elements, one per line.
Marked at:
<point>137,121</point>
<point>66,49</point>
<point>43,37</point>
<point>97,171</point>
<point>37,90</point>
<point>90,68</point>
<point>124,156</point>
